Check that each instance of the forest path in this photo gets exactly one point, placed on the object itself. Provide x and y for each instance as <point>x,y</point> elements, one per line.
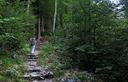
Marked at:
<point>35,72</point>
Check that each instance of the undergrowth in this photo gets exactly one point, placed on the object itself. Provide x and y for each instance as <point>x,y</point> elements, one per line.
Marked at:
<point>52,59</point>
<point>11,66</point>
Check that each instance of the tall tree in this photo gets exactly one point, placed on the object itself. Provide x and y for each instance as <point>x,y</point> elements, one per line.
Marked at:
<point>28,6</point>
<point>61,16</point>
<point>54,17</point>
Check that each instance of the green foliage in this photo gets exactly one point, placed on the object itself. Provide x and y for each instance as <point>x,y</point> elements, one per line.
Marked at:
<point>9,43</point>
<point>48,58</point>
<point>44,9</point>
<point>15,25</point>
<point>51,59</point>
<point>95,41</point>
<point>91,36</point>
<point>11,69</point>
<point>12,72</point>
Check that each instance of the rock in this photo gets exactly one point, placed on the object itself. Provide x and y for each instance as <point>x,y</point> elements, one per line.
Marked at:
<point>31,63</point>
<point>30,59</point>
<point>33,75</point>
<point>33,69</point>
<point>48,75</point>
<point>67,79</point>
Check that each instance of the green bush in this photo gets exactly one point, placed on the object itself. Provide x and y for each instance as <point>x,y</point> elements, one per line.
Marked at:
<point>9,43</point>
<point>16,26</point>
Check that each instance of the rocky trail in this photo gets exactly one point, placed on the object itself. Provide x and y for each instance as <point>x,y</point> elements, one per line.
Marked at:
<point>35,72</point>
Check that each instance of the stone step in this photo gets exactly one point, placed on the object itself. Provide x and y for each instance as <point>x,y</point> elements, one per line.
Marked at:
<point>32,56</point>
<point>46,80</point>
<point>30,59</point>
<point>33,69</point>
<point>33,76</point>
<point>34,72</point>
<point>30,63</point>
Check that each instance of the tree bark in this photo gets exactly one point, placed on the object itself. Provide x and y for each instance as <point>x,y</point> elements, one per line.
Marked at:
<point>94,38</point>
<point>42,24</point>
<point>39,32</point>
<point>61,17</point>
<point>54,18</point>
<point>28,7</point>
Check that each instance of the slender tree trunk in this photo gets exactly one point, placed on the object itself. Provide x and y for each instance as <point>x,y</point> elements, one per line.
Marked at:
<point>61,17</point>
<point>54,18</point>
<point>94,38</point>
<point>39,32</point>
<point>61,14</point>
<point>28,7</point>
<point>90,25</point>
<point>42,24</point>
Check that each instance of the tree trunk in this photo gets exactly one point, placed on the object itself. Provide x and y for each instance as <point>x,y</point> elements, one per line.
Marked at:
<point>28,7</point>
<point>61,17</point>
<point>39,32</point>
<point>90,25</point>
<point>42,24</point>
<point>94,38</point>
<point>54,18</point>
